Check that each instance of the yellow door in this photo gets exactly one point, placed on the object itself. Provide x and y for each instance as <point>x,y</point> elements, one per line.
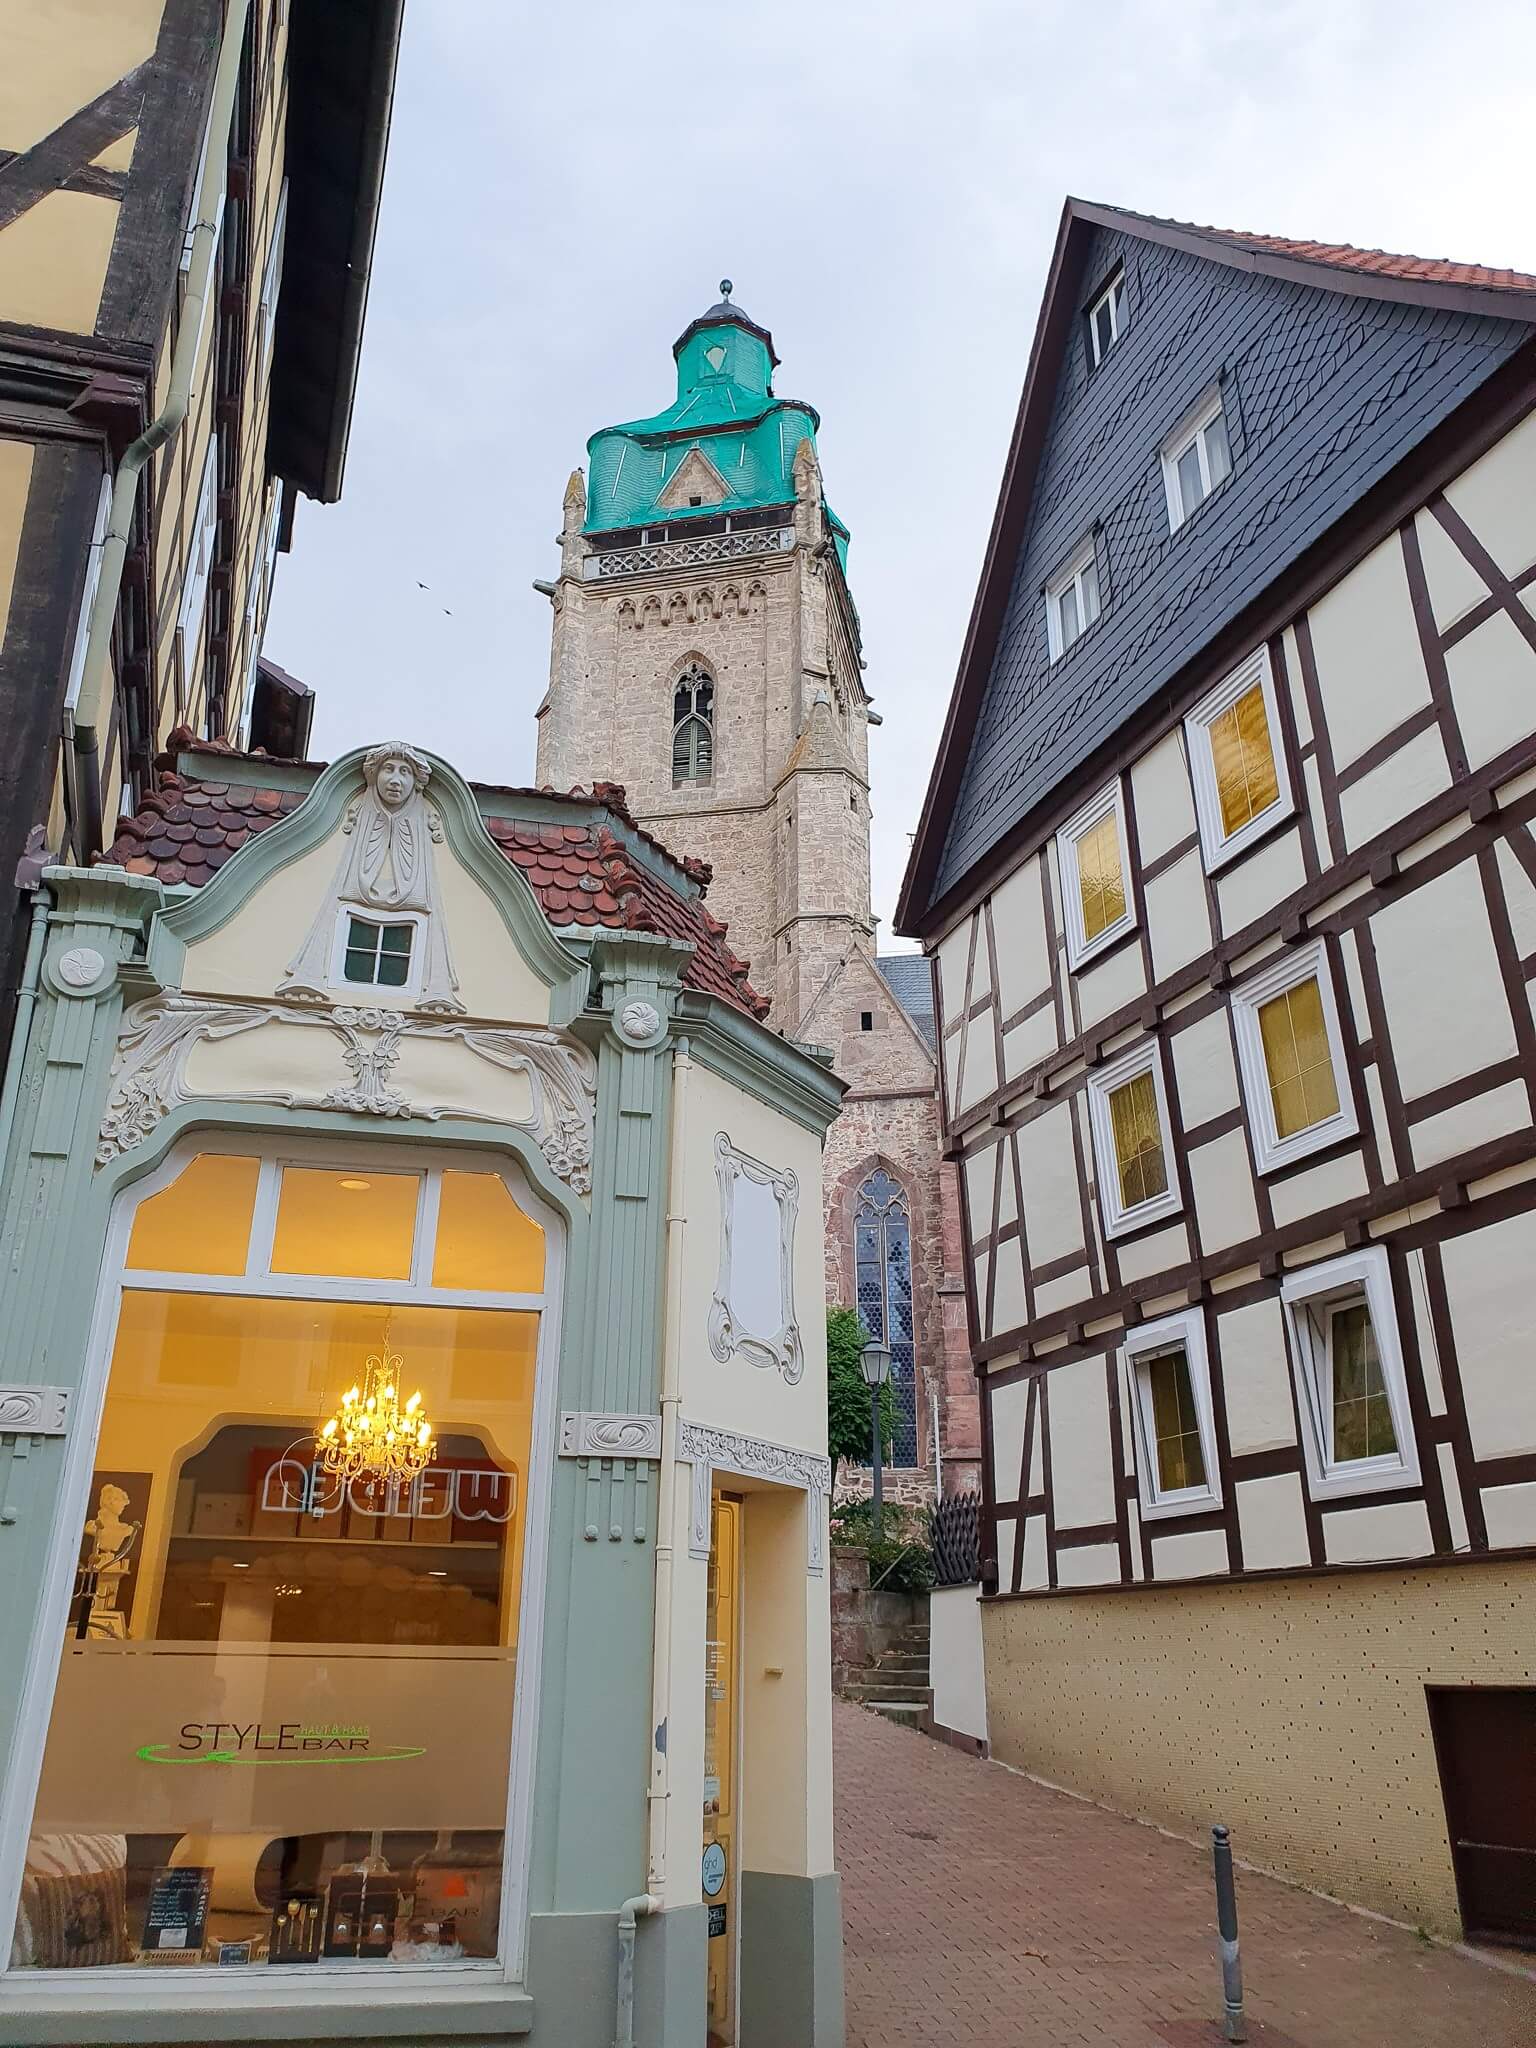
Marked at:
<point>720,1737</point>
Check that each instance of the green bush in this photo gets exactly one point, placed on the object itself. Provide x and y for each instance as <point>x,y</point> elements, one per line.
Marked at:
<point>848,1420</point>
<point>902,1560</point>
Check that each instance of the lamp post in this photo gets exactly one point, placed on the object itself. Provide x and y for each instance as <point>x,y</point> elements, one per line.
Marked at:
<point>875,1364</point>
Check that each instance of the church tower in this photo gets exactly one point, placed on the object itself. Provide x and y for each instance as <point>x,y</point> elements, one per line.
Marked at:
<point>706,655</point>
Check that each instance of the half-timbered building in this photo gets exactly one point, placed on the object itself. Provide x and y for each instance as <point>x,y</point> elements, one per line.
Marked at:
<point>1228,870</point>
<point>188,195</point>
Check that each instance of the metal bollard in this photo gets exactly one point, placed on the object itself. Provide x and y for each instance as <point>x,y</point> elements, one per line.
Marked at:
<point>1233,2026</point>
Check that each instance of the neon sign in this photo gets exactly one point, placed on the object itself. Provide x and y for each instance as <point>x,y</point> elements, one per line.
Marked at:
<point>468,1493</point>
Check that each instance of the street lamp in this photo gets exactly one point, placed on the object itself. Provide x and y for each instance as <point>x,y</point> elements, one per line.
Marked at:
<point>875,1364</point>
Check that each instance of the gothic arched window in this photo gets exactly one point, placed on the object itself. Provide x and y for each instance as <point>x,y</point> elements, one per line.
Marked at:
<point>882,1252</point>
<point>693,725</point>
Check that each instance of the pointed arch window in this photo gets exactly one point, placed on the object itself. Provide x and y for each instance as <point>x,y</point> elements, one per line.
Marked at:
<point>693,725</point>
<point>882,1251</point>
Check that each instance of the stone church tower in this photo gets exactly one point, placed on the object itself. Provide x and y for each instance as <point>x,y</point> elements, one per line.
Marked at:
<point>706,655</point>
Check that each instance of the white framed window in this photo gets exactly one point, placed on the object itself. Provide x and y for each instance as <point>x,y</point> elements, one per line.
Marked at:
<point>197,188</point>
<point>1128,1112</point>
<point>88,594</point>
<point>1357,1427</point>
<point>1072,600</point>
<point>1197,458</point>
<point>1291,1053</point>
<point>377,952</point>
<point>261,1284</point>
<point>199,563</point>
<point>1097,905</point>
<point>1237,761</point>
<point>271,284</point>
<point>258,606</point>
<point>1106,317</point>
<point>1177,1470</point>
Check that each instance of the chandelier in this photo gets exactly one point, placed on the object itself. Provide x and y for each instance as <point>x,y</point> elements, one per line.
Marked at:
<point>373,1435</point>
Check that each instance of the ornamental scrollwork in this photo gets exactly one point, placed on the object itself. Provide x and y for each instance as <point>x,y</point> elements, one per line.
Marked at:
<point>752,1313</point>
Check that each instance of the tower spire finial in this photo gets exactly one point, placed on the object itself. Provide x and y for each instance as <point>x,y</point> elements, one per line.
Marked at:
<point>726,287</point>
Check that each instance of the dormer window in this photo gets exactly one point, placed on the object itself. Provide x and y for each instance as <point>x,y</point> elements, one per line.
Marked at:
<point>1197,459</point>
<point>1072,600</point>
<point>377,953</point>
<point>1106,317</point>
<point>693,726</point>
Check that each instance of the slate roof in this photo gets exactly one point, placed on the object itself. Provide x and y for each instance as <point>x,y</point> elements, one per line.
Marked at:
<point>910,981</point>
<point>582,872</point>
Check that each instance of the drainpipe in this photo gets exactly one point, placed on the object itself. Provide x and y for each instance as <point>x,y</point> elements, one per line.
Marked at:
<point>85,725</point>
<point>640,1907</point>
<point>21,1026</point>
<point>659,1796</point>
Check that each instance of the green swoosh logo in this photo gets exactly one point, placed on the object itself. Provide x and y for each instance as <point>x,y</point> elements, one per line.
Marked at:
<point>154,1753</point>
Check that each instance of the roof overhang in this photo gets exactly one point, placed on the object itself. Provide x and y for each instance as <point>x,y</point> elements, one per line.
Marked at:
<point>341,80</point>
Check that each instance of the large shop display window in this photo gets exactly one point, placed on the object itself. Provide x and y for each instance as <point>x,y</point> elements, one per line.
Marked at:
<point>281,1734</point>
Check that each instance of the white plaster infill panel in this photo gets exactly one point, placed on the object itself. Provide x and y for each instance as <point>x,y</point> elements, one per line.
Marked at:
<point>155,1071</point>
<point>752,1314</point>
<point>722,1450</point>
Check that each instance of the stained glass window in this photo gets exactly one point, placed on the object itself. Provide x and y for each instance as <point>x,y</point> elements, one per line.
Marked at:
<point>882,1248</point>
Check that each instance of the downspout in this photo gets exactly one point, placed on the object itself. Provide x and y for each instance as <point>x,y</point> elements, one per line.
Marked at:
<point>85,724</point>
<point>21,1024</point>
<point>659,1795</point>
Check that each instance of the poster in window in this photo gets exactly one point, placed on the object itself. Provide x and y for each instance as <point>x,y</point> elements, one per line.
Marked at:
<point>109,1556</point>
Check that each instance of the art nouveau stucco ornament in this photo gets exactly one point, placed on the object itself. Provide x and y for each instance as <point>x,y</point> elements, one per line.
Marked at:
<point>389,866</point>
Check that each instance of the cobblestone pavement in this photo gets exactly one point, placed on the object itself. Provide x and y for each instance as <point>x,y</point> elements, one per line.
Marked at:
<point>980,1908</point>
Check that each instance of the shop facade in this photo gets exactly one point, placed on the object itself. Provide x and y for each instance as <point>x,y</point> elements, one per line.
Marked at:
<point>412,1436</point>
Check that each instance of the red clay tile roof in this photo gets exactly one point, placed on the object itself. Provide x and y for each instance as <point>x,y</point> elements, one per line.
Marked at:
<point>1376,262</point>
<point>581,873</point>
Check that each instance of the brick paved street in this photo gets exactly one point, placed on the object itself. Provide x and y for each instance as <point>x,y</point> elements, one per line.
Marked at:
<point>982,1909</point>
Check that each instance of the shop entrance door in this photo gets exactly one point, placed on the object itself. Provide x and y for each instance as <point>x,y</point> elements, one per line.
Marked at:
<point>1485,1742</point>
<point>721,1748</point>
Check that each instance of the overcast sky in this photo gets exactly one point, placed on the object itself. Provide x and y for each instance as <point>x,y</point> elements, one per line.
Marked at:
<point>568,182</point>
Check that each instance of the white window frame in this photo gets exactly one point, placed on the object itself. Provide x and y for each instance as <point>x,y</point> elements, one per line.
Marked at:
<point>199,563</point>
<point>1191,432</point>
<point>1070,577</point>
<point>1216,845</point>
<point>197,192</point>
<point>1113,294</point>
<point>271,285</point>
<point>1294,965</point>
<point>186,1989</point>
<point>373,990</point>
<point>77,653</point>
<point>1109,802</point>
<point>1141,1344</point>
<point>258,606</point>
<point>1117,1217</point>
<point>1306,1297</point>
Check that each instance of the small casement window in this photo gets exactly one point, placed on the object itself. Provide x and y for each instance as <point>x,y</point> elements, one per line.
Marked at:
<point>1106,317</point>
<point>1237,762</point>
<point>376,953</point>
<point>693,725</point>
<point>1128,1112</point>
<point>1170,1390</point>
<point>1072,600</point>
<point>1197,458</point>
<point>866,1020</point>
<point>1291,1053</point>
<point>1342,1327</point>
<point>1095,888</point>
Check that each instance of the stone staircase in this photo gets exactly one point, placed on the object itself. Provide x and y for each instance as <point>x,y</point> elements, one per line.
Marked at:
<point>896,1684</point>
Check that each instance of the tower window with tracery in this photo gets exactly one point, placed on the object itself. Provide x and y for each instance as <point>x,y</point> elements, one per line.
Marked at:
<point>693,725</point>
<point>882,1250</point>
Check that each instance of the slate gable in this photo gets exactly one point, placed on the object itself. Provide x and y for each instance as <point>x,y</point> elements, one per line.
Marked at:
<point>1325,393</point>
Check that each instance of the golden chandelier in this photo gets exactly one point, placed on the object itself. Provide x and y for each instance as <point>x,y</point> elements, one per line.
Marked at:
<point>373,1435</point>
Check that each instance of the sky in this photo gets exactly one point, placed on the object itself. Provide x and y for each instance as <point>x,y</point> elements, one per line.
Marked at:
<point>567,184</point>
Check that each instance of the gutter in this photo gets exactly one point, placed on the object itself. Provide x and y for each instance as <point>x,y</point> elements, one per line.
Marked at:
<point>85,727</point>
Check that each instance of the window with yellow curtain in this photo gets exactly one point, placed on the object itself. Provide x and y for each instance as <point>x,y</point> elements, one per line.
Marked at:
<point>1288,1025</point>
<point>1138,1141</point>
<point>1244,758</point>
<point>281,1731</point>
<point>1128,1119</point>
<point>1091,861</point>
<point>1297,1058</point>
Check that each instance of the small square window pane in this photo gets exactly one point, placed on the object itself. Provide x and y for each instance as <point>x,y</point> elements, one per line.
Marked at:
<point>1191,487</point>
<point>358,965</point>
<point>362,934</point>
<point>1297,1059</point>
<point>1175,1425</point>
<point>1218,456</point>
<point>1362,1414</point>
<point>394,970</point>
<point>396,938</point>
<point>359,1226</point>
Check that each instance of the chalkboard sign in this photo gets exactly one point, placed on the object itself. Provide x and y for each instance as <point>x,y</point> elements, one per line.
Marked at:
<point>178,1911</point>
<point>716,1921</point>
